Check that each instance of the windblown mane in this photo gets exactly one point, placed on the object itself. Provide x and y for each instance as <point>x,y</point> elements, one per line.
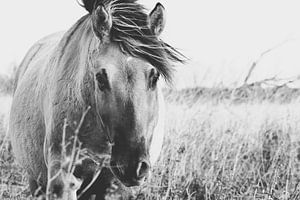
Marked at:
<point>130,30</point>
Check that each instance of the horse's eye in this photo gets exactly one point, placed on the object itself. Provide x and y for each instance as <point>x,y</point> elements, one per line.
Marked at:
<point>153,78</point>
<point>102,80</point>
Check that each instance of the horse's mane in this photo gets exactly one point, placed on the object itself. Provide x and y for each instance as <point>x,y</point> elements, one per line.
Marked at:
<point>130,30</point>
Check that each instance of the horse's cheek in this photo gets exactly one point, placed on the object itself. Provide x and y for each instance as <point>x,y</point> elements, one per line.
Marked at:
<point>158,133</point>
<point>156,144</point>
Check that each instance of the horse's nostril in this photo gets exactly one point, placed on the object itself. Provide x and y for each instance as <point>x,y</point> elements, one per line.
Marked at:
<point>142,169</point>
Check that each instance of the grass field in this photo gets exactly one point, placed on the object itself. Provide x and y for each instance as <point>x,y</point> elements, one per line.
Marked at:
<point>213,150</point>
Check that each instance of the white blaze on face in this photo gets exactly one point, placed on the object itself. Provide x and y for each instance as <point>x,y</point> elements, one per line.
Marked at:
<point>158,134</point>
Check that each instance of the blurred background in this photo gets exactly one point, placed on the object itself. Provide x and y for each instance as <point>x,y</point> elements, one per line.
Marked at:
<point>222,39</point>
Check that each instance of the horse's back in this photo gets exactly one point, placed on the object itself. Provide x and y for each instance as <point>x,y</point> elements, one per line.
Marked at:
<point>26,126</point>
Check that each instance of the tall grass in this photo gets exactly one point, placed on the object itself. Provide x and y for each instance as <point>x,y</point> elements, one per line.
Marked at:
<point>219,150</point>
<point>246,151</point>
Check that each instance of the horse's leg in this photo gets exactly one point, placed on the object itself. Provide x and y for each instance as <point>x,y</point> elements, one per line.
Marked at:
<point>102,184</point>
<point>105,185</point>
<point>108,185</point>
<point>97,190</point>
<point>35,189</point>
<point>33,186</point>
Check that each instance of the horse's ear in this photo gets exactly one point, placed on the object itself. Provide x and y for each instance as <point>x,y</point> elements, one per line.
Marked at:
<point>101,22</point>
<point>157,19</point>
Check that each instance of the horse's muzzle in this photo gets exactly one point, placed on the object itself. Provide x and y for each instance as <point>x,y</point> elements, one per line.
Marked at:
<point>131,176</point>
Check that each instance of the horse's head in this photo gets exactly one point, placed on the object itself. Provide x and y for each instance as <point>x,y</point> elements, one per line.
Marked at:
<point>127,102</point>
<point>126,64</point>
<point>127,99</point>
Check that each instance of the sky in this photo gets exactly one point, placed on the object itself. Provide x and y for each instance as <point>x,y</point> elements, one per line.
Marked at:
<point>220,38</point>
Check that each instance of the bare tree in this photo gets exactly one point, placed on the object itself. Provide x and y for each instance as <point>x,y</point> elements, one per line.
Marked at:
<point>255,63</point>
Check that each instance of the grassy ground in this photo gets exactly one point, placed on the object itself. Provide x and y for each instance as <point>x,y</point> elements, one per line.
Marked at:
<point>12,178</point>
<point>219,150</point>
<point>246,151</point>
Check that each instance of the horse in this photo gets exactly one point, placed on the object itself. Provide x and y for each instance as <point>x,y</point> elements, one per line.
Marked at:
<point>97,87</point>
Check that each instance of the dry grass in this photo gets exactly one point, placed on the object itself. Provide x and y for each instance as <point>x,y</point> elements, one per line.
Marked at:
<point>224,150</point>
<point>13,183</point>
<point>245,151</point>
